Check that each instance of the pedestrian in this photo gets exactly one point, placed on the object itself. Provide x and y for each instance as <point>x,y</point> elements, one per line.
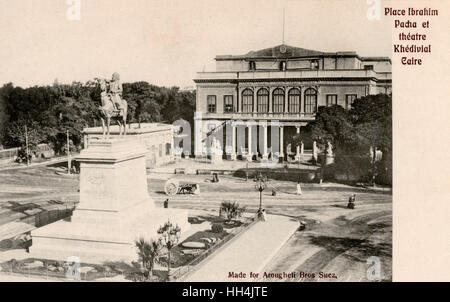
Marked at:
<point>299,189</point>
<point>263,215</point>
<point>351,202</point>
<point>166,203</point>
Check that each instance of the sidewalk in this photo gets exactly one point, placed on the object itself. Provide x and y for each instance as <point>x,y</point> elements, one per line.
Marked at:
<point>250,252</point>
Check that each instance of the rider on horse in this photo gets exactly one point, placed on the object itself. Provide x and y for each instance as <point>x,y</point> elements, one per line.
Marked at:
<point>115,90</point>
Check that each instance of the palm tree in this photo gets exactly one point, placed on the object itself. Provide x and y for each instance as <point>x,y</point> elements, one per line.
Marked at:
<point>232,209</point>
<point>148,252</point>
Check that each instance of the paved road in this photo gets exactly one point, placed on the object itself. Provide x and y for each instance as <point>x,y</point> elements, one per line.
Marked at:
<point>249,252</point>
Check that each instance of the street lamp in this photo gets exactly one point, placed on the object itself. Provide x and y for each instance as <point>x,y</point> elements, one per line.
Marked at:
<point>260,186</point>
<point>170,234</point>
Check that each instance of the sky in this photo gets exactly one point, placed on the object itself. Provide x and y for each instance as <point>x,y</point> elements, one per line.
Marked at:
<point>165,42</point>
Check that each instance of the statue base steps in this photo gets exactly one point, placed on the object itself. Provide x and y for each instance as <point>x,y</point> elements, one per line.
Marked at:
<point>100,237</point>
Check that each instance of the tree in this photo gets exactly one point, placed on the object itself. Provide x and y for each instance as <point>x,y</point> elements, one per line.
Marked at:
<point>353,133</point>
<point>148,252</point>
<point>142,105</point>
<point>372,118</point>
<point>16,135</point>
<point>231,209</point>
<point>59,108</point>
<point>4,118</point>
<point>332,126</point>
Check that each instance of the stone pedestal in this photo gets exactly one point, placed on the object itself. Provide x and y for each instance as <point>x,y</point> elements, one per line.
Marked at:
<point>249,157</point>
<point>114,208</point>
<point>216,159</point>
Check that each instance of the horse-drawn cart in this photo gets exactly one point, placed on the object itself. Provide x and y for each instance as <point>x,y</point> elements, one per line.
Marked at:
<point>173,187</point>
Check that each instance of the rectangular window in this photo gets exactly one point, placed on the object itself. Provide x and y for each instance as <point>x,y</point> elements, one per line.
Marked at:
<point>251,65</point>
<point>349,99</point>
<point>211,99</point>
<point>331,100</point>
<point>314,64</point>
<point>228,104</point>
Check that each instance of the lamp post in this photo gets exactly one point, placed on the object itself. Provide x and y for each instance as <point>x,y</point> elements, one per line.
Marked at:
<point>69,164</point>
<point>260,186</point>
<point>170,234</point>
<point>26,144</point>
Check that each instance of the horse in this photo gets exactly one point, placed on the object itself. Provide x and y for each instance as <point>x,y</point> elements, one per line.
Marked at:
<point>109,111</point>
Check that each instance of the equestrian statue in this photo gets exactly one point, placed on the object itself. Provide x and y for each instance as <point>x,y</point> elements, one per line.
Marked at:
<point>113,106</point>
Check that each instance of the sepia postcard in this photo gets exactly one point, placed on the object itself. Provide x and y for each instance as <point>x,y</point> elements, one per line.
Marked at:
<point>224,141</point>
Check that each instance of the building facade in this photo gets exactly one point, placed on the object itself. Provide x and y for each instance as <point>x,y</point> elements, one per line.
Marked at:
<point>157,138</point>
<point>254,103</point>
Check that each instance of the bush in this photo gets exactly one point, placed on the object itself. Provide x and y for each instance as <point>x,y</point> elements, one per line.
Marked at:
<point>231,209</point>
<point>217,228</point>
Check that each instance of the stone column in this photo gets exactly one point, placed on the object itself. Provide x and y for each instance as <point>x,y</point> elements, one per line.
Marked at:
<point>281,141</point>
<point>265,155</point>
<point>198,136</point>
<point>249,150</point>
<point>297,154</point>
<point>302,148</point>
<point>233,142</point>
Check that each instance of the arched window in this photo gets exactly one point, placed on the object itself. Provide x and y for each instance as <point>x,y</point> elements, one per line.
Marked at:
<point>262,100</point>
<point>310,100</point>
<point>247,100</point>
<point>294,100</point>
<point>278,100</point>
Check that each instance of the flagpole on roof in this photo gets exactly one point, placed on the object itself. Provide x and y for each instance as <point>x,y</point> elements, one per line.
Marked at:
<point>283,24</point>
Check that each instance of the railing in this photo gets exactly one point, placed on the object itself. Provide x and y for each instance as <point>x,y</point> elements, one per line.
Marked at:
<point>183,271</point>
<point>12,152</point>
<point>321,73</point>
<point>272,115</point>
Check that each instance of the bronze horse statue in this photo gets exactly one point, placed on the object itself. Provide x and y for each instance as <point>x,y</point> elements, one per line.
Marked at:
<point>113,107</point>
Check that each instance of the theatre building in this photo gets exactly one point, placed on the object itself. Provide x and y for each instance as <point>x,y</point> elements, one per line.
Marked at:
<point>254,103</point>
